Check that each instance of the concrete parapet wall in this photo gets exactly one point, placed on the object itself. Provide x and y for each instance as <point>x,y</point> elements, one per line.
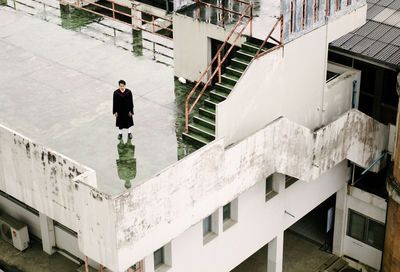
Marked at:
<point>162,208</point>
<point>118,231</point>
<point>40,177</point>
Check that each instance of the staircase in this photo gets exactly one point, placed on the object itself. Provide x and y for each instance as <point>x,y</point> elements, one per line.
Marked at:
<point>202,127</point>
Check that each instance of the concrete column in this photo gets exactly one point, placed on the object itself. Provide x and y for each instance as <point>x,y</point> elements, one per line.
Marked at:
<point>278,182</point>
<point>391,253</point>
<point>138,15</point>
<point>48,233</point>
<point>275,254</point>
<point>340,222</point>
<point>148,263</point>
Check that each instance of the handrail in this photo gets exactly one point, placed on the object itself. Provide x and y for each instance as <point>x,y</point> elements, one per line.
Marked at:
<point>272,38</point>
<point>218,69</point>
<point>114,11</point>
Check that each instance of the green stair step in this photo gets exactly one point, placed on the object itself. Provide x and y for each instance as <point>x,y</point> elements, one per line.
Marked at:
<point>239,63</point>
<point>218,95</point>
<point>229,79</point>
<point>203,131</point>
<point>209,103</point>
<point>195,139</point>
<point>204,121</point>
<point>210,113</point>
<point>241,54</point>
<point>223,87</point>
<point>230,70</point>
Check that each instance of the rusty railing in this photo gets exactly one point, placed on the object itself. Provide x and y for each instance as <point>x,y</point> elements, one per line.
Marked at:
<point>152,23</point>
<point>279,43</point>
<point>217,56</point>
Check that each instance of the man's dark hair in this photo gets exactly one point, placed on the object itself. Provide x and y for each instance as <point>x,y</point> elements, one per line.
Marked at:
<point>122,82</point>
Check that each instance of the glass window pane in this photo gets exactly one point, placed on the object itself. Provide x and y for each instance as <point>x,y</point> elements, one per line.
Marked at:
<point>227,211</point>
<point>159,257</point>
<point>268,185</point>
<point>207,225</point>
<point>356,226</point>
<point>375,234</point>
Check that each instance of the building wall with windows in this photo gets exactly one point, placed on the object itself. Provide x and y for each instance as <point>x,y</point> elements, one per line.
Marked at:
<point>254,221</point>
<point>364,227</point>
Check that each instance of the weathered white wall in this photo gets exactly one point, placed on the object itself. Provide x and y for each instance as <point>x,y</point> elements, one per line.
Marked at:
<point>39,177</point>
<point>338,95</point>
<point>192,46</point>
<point>25,216</point>
<point>258,223</point>
<point>287,82</point>
<point>118,231</point>
<point>150,215</point>
<point>374,207</point>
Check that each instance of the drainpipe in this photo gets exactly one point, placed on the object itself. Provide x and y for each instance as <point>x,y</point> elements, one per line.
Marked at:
<point>378,159</point>
<point>354,93</point>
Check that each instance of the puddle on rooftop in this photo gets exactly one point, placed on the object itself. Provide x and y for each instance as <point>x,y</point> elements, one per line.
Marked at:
<point>140,43</point>
<point>122,164</point>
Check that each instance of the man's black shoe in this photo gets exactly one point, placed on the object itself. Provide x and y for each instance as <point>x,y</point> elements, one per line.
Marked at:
<point>130,135</point>
<point>119,136</point>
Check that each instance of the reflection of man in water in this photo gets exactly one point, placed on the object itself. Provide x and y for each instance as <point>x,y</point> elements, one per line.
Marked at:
<point>126,163</point>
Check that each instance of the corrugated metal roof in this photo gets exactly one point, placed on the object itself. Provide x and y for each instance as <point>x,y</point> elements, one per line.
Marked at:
<point>395,58</point>
<point>386,52</point>
<point>394,19</point>
<point>373,11</point>
<point>374,49</point>
<point>383,15</point>
<point>395,5</point>
<point>379,38</point>
<point>362,46</point>
<point>384,3</point>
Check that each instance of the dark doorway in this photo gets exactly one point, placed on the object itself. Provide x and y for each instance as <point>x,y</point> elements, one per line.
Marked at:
<point>317,225</point>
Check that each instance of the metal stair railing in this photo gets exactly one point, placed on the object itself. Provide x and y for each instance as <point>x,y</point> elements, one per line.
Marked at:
<point>79,5</point>
<point>279,43</point>
<point>218,57</point>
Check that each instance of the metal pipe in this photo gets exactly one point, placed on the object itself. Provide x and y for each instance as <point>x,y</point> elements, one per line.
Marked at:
<point>223,13</point>
<point>378,159</point>
<point>251,21</point>
<point>219,68</point>
<point>269,35</point>
<point>289,214</point>
<point>113,10</point>
<point>86,264</point>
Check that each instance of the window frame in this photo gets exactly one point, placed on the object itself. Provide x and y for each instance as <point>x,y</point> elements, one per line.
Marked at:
<point>366,229</point>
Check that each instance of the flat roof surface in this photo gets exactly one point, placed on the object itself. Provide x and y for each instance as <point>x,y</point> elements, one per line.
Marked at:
<point>57,86</point>
<point>379,38</point>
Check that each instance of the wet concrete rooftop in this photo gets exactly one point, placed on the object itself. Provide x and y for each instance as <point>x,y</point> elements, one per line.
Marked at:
<point>57,86</point>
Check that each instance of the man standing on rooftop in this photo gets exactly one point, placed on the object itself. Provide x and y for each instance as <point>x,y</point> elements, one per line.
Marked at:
<point>123,109</point>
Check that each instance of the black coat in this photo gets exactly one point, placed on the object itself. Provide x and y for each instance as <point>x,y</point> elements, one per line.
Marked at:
<point>123,104</point>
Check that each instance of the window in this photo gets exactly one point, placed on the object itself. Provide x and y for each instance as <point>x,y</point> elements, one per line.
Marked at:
<point>365,229</point>
<point>210,227</point>
<point>162,259</point>
<point>158,257</point>
<point>356,226</point>
<point>229,214</point>
<point>207,225</point>
<point>376,233</point>
<point>270,188</point>
<point>289,181</point>
<point>226,211</point>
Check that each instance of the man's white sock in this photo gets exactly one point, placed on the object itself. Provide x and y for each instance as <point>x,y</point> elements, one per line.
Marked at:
<point>120,131</point>
<point>129,130</point>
